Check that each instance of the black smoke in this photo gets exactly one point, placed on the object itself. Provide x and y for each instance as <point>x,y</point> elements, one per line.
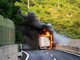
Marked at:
<point>30,29</point>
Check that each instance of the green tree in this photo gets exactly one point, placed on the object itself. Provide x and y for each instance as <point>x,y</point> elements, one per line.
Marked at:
<point>9,10</point>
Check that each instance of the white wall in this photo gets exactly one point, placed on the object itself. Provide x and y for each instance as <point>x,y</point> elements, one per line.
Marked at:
<point>9,52</point>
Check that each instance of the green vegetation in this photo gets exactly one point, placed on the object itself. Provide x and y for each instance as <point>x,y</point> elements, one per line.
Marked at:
<point>19,38</point>
<point>64,15</point>
<point>9,10</point>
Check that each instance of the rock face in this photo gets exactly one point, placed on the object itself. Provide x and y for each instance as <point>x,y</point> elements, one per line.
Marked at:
<point>30,29</point>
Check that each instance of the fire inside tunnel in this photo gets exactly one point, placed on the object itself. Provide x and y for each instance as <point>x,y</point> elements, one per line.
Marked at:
<point>35,33</point>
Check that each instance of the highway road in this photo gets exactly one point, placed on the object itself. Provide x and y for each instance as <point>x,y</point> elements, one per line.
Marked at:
<point>49,55</point>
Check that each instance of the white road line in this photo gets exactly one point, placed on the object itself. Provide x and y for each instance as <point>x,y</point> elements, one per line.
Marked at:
<point>27,57</point>
<point>51,55</point>
<point>54,58</point>
<point>47,53</point>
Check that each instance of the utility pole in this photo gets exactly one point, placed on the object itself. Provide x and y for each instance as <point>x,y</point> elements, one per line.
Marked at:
<point>28,3</point>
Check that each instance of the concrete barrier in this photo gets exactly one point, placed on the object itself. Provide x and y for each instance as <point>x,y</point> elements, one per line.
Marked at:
<point>68,49</point>
<point>9,52</point>
<point>74,43</point>
<point>73,46</point>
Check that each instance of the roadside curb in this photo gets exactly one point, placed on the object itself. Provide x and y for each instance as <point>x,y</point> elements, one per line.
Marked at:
<point>27,55</point>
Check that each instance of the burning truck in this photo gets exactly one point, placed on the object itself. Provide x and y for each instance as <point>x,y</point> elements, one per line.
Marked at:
<point>46,38</point>
<point>36,35</point>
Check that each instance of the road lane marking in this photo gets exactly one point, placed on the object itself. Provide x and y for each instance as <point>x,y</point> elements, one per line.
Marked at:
<point>47,53</point>
<point>51,55</point>
<point>54,58</point>
<point>27,57</point>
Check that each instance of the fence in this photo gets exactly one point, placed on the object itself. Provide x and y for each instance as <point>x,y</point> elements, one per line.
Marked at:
<point>7,31</point>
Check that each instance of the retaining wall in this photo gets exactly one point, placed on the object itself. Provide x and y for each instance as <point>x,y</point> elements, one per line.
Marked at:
<point>9,52</point>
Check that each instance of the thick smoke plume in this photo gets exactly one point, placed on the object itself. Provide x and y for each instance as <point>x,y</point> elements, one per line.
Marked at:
<point>61,39</point>
<point>30,29</point>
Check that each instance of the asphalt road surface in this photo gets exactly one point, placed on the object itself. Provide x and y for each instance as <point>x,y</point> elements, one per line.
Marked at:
<point>49,55</point>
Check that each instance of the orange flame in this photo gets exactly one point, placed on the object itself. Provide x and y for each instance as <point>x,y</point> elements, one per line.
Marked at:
<point>47,33</point>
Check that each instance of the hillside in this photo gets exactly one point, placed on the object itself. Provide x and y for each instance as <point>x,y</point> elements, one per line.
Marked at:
<point>64,15</point>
